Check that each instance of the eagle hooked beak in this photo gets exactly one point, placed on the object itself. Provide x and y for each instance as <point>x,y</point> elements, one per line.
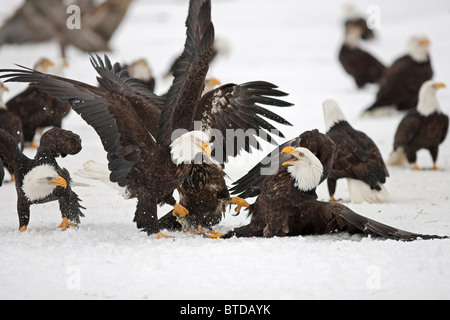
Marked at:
<point>291,151</point>
<point>425,42</point>
<point>5,88</point>
<point>206,149</point>
<point>59,181</point>
<point>439,85</point>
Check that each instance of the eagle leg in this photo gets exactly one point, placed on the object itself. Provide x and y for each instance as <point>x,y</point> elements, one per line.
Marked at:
<point>239,202</point>
<point>66,223</point>
<point>34,145</point>
<point>332,198</point>
<point>23,228</point>
<point>416,167</point>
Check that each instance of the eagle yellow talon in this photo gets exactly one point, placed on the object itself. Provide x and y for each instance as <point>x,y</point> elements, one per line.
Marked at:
<point>241,203</point>
<point>161,235</point>
<point>215,235</point>
<point>24,228</point>
<point>178,209</point>
<point>66,223</point>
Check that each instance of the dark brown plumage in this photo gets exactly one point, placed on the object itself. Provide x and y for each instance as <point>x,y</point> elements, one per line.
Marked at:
<point>402,80</point>
<point>357,159</point>
<point>41,180</point>
<point>124,113</point>
<point>423,128</point>
<point>360,64</point>
<point>37,109</point>
<point>235,108</point>
<point>287,203</point>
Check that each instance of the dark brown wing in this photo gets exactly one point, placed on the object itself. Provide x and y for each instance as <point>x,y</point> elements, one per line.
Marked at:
<point>58,142</point>
<point>237,107</point>
<point>190,72</point>
<point>319,144</point>
<point>123,133</point>
<point>357,156</point>
<point>407,129</point>
<point>372,227</point>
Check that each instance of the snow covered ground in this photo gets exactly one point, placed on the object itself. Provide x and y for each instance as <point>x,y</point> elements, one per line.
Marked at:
<point>293,44</point>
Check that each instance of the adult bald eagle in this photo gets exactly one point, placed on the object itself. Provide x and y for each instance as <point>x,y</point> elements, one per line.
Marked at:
<point>287,204</point>
<point>357,159</point>
<point>422,128</point>
<point>41,179</point>
<point>140,69</point>
<point>36,108</point>
<point>402,80</point>
<point>360,64</point>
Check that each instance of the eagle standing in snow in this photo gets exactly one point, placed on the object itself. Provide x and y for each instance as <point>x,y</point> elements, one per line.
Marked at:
<point>357,159</point>
<point>287,202</point>
<point>423,128</point>
<point>41,179</point>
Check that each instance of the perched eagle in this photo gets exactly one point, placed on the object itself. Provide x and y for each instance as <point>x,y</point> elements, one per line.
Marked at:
<point>422,128</point>
<point>287,204</point>
<point>402,80</point>
<point>41,180</point>
<point>36,108</point>
<point>357,159</point>
<point>361,65</point>
<point>10,123</point>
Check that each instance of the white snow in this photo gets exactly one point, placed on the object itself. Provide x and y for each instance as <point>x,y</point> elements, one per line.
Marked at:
<point>293,44</point>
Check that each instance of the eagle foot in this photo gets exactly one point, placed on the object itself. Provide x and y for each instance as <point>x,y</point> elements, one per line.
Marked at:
<point>66,223</point>
<point>178,209</point>
<point>241,203</point>
<point>23,228</point>
<point>34,145</point>
<point>161,235</point>
<point>214,234</point>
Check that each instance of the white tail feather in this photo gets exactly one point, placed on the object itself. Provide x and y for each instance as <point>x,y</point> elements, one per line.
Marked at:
<point>397,158</point>
<point>360,192</point>
<point>99,172</point>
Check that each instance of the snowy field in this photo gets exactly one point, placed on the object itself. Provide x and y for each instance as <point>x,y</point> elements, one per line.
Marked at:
<point>294,45</point>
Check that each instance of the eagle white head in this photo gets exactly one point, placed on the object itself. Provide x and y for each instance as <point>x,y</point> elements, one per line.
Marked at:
<point>41,181</point>
<point>187,147</point>
<point>418,48</point>
<point>427,97</point>
<point>304,167</point>
<point>332,113</point>
<point>140,69</point>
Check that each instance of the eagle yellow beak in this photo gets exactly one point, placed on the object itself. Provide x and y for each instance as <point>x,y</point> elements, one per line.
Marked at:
<point>439,85</point>
<point>425,42</point>
<point>289,150</point>
<point>206,148</point>
<point>59,181</point>
<point>5,88</point>
<point>213,82</point>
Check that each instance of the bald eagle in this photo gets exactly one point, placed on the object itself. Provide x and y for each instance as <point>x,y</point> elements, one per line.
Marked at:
<point>422,128</point>
<point>399,88</point>
<point>360,64</point>
<point>41,179</point>
<point>287,203</point>
<point>357,159</point>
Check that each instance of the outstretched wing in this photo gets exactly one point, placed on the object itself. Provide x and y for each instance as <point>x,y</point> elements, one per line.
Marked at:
<point>190,72</point>
<point>372,227</point>
<point>319,144</point>
<point>123,134</point>
<point>58,142</point>
<point>237,108</point>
